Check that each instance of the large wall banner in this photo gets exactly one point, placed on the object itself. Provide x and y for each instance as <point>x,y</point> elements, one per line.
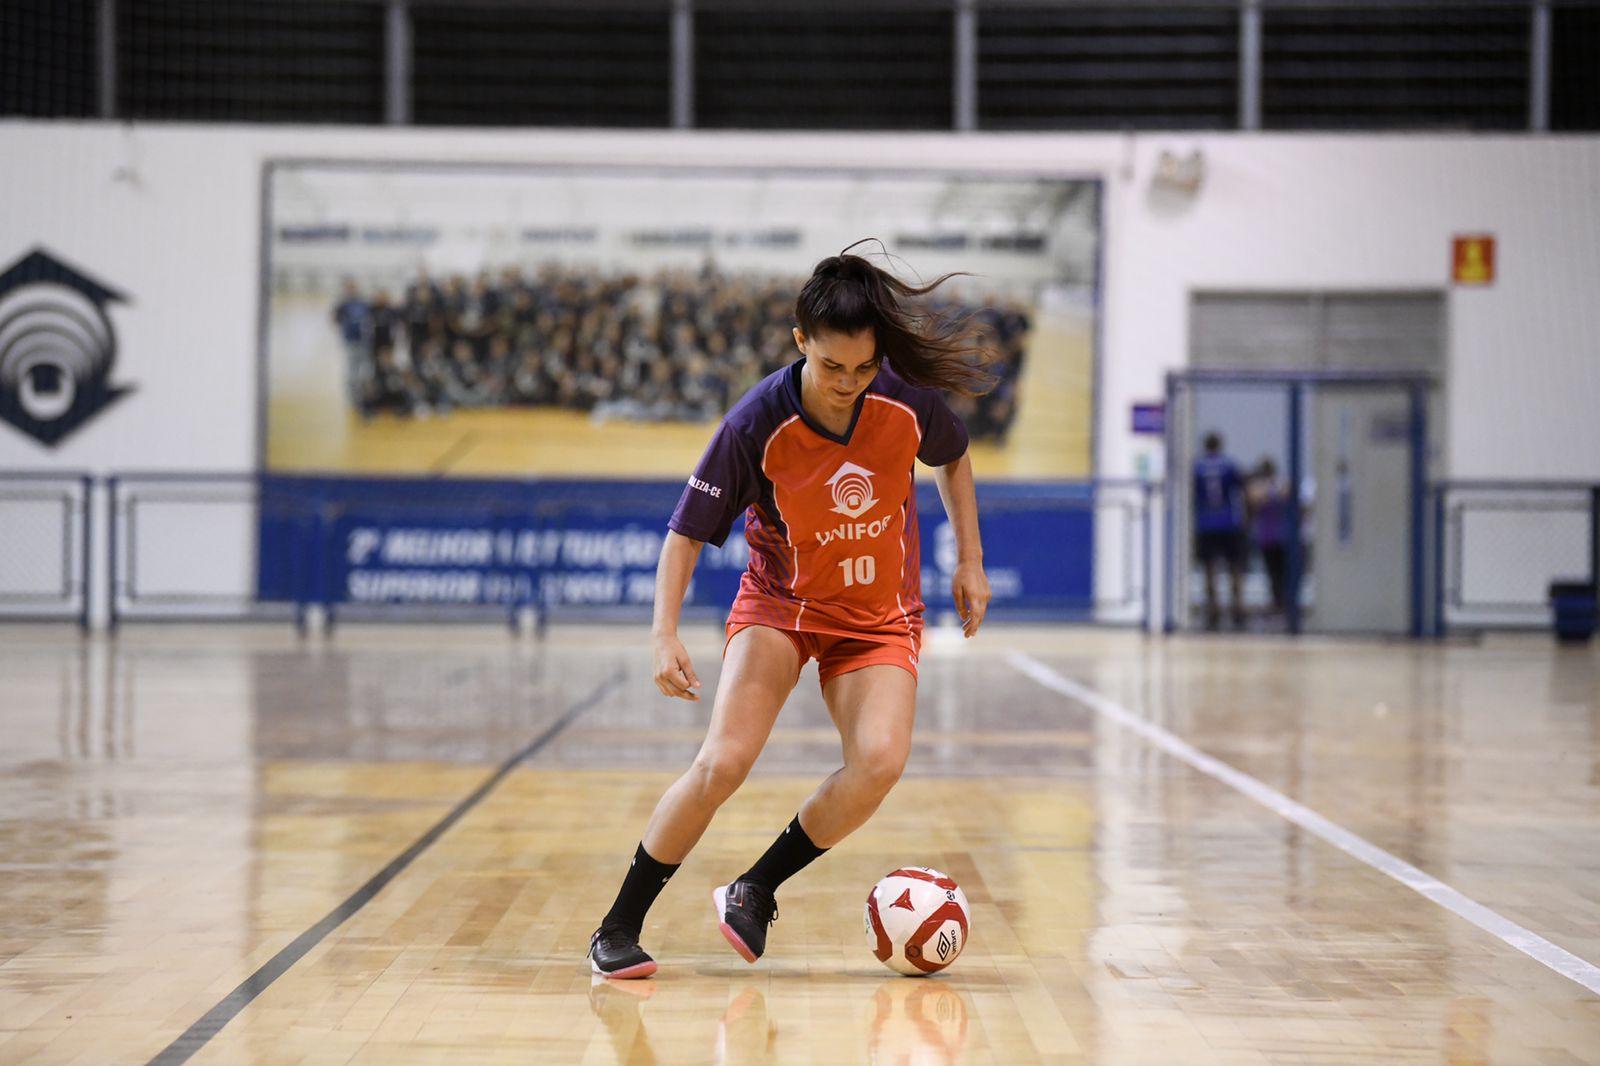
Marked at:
<point>527,321</point>
<point>486,385</point>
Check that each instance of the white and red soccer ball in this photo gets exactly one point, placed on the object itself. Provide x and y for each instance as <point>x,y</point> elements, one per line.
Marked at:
<point>917,921</point>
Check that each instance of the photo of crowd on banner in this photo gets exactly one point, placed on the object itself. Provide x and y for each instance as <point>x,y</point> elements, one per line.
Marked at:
<point>672,346</point>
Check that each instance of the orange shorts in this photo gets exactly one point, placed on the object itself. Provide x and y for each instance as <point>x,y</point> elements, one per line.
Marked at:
<point>837,655</point>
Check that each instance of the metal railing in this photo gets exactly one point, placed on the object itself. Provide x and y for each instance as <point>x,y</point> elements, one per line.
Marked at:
<point>185,547</point>
<point>1500,545</point>
<point>191,547</point>
<point>46,529</point>
<point>208,547</point>
<point>241,547</point>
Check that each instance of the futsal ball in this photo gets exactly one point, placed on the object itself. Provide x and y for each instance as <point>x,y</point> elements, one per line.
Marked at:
<point>917,921</point>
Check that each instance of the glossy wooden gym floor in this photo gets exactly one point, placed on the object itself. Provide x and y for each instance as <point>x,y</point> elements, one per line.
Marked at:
<point>178,806</point>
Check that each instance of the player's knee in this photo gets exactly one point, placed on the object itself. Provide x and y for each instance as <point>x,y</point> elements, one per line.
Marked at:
<point>718,774</point>
<point>880,766</point>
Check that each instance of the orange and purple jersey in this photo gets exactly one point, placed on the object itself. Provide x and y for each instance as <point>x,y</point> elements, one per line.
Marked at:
<point>831,518</point>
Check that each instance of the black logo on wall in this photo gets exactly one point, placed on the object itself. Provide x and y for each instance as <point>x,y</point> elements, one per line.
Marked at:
<point>57,347</point>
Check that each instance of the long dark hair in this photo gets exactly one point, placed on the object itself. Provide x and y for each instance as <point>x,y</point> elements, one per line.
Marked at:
<point>847,294</point>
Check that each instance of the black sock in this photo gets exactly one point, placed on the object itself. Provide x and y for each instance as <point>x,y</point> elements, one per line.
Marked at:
<point>646,878</point>
<point>788,855</point>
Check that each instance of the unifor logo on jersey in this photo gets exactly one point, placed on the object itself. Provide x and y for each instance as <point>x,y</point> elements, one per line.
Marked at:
<point>57,347</point>
<point>852,490</point>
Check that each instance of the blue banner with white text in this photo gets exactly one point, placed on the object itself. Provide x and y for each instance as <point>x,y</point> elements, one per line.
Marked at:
<point>559,544</point>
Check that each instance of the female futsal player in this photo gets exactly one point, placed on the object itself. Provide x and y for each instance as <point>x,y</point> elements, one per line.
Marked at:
<point>821,455</point>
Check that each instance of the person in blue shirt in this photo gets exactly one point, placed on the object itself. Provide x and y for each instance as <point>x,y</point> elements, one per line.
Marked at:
<point>1219,523</point>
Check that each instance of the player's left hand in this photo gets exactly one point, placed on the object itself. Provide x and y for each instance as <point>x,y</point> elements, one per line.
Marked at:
<point>970,590</point>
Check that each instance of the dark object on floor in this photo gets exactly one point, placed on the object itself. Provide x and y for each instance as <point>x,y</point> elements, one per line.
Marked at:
<point>1576,613</point>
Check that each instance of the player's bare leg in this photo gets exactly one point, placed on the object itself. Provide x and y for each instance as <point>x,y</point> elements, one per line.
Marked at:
<point>874,708</point>
<point>758,673</point>
<point>759,670</point>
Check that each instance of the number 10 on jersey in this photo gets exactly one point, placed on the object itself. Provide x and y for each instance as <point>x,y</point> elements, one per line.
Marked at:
<point>861,570</point>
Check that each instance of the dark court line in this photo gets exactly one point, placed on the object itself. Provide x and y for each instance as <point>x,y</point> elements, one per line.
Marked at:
<point>210,1024</point>
<point>453,453</point>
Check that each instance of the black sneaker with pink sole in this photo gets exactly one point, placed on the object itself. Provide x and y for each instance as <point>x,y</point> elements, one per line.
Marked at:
<point>615,952</point>
<point>744,910</point>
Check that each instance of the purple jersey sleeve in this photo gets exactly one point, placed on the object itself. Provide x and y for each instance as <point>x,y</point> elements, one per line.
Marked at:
<point>725,482</point>
<point>944,435</point>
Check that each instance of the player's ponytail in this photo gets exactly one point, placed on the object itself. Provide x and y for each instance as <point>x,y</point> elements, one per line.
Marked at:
<point>847,294</point>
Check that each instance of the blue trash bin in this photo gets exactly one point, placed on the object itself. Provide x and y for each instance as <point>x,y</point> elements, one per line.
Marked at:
<point>1576,614</point>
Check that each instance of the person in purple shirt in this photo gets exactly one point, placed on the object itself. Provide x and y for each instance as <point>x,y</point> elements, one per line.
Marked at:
<point>1269,520</point>
<point>1270,500</point>
<point>1219,527</point>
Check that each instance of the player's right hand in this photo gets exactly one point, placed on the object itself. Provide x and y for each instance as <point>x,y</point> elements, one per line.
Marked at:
<point>674,673</point>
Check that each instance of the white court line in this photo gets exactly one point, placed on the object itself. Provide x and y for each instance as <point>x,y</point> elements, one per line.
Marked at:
<point>1526,941</point>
